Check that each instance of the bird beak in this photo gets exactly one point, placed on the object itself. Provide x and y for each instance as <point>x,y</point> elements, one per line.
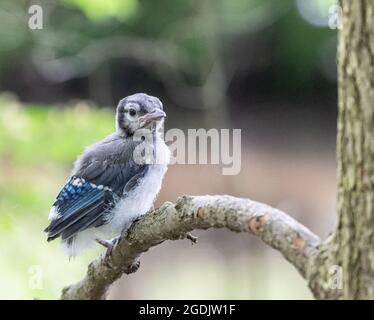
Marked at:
<point>157,114</point>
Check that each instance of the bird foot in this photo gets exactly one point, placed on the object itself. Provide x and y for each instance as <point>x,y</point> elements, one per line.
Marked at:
<point>109,245</point>
<point>134,267</point>
<point>192,238</point>
<point>124,234</point>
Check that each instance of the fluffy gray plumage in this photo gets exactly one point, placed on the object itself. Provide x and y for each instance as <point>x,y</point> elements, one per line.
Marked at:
<point>109,187</point>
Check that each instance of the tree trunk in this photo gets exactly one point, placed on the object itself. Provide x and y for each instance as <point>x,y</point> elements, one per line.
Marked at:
<point>354,238</point>
<point>351,248</point>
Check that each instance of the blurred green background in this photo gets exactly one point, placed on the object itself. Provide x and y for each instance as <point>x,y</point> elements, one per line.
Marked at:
<point>267,67</point>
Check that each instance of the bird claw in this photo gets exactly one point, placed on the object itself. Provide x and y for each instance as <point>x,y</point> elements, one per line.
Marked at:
<point>134,267</point>
<point>192,238</point>
<point>110,245</point>
<point>124,236</point>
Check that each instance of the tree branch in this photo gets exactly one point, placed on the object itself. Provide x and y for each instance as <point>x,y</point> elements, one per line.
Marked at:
<point>173,221</point>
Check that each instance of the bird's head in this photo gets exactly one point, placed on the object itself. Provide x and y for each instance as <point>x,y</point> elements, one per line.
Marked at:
<point>139,111</point>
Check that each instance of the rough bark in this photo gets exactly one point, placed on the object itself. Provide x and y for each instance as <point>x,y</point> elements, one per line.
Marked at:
<point>351,245</point>
<point>173,221</point>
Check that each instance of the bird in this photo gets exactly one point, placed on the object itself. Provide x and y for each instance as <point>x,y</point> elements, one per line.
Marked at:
<point>111,185</point>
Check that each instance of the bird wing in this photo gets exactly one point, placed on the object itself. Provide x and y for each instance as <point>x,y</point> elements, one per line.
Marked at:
<point>85,201</point>
<point>115,176</point>
<point>79,205</point>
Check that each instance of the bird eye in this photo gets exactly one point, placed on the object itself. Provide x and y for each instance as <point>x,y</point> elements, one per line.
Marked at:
<point>132,112</point>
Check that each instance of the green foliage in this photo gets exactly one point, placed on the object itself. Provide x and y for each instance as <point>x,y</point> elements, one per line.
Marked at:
<point>98,10</point>
<point>35,134</point>
<point>197,31</point>
<point>37,147</point>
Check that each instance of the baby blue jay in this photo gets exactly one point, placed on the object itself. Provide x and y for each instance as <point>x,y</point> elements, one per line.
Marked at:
<point>109,187</point>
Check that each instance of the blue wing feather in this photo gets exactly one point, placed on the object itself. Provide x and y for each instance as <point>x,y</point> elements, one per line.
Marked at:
<point>79,205</point>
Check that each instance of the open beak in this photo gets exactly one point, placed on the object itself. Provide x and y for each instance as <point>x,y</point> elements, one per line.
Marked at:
<point>157,114</point>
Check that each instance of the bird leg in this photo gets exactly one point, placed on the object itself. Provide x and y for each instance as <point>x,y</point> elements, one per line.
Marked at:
<point>190,237</point>
<point>109,245</point>
<point>124,234</point>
